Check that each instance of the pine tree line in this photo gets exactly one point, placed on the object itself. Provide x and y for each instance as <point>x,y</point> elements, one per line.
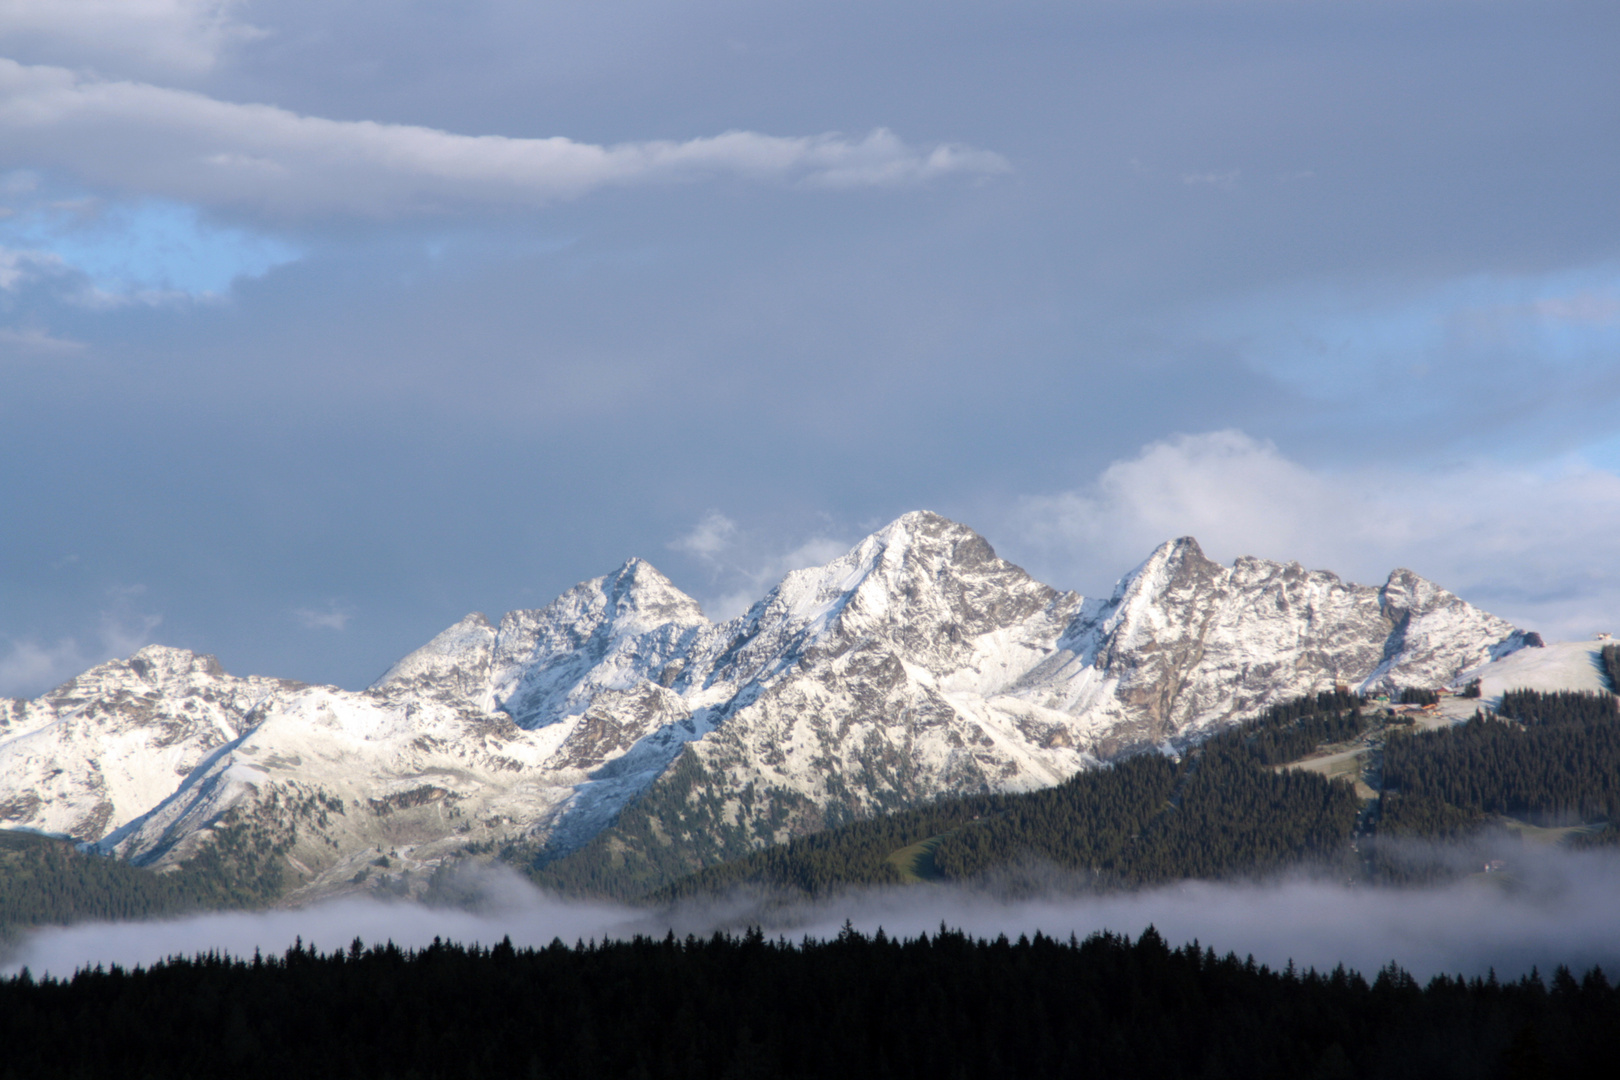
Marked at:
<point>937,1006</point>
<point>1559,707</point>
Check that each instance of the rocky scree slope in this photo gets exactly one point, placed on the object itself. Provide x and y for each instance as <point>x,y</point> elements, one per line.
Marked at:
<point>917,664</point>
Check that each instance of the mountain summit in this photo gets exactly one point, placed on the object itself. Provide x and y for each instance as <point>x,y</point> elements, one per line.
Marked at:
<point>917,664</point>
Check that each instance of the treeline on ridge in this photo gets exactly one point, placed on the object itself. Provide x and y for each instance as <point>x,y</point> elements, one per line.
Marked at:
<point>937,1006</point>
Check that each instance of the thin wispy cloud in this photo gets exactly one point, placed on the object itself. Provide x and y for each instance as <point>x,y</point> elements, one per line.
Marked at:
<point>329,617</point>
<point>743,565</point>
<point>709,538</point>
<point>178,144</point>
<point>1227,179</point>
<point>1587,306</point>
<point>32,340</point>
<point>30,666</point>
<point>20,266</point>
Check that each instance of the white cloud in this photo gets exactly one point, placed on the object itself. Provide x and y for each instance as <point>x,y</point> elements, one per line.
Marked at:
<point>709,537</point>
<point>29,667</point>
<point>1532,546</point>
<point>1587,306</point>
<point>1563,912</point>
<point>177,37</point>
<point>742,566</point>
<point>177,144</point>
<point>20,266</point>
<point>1226,180</point>
<point>331,617</point>
<point>34,340</point>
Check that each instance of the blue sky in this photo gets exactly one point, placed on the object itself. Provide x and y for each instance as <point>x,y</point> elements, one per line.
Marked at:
<point>322,325</point>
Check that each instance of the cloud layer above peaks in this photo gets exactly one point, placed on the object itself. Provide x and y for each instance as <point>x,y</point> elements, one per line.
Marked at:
<point>1522,543</point>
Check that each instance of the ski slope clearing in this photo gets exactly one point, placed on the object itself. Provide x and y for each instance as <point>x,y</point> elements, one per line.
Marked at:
<point>1559,665</point>
<point>1346,764</point>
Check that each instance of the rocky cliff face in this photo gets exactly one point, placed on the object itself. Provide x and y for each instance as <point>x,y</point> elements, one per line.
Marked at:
<point>1184,644</point>
<point>917,664</point>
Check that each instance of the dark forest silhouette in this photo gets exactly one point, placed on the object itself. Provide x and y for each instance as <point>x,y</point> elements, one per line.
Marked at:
<point>936,1006</point>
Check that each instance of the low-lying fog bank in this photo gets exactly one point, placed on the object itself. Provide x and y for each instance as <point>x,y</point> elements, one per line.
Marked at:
<point>1547,908</point>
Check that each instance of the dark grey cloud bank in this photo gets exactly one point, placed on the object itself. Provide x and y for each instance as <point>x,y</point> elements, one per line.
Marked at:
<point>1375,238</point>
<point>1553,909</point>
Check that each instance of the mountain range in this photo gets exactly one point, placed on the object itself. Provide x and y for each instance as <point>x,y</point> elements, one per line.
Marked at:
<point>916,665</point>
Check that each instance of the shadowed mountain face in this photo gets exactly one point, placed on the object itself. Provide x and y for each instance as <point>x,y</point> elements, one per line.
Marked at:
<point>916,664</point>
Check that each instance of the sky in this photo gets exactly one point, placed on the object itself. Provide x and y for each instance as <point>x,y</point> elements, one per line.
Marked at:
<point>322,325</point>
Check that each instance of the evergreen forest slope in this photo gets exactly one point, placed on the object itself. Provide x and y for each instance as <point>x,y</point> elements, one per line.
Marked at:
<point>47,880</point>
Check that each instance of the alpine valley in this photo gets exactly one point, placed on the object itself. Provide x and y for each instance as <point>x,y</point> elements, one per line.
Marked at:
<point>917,665</point>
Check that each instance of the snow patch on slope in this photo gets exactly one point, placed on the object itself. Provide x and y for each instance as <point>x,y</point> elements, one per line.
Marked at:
<point>1558,665</point>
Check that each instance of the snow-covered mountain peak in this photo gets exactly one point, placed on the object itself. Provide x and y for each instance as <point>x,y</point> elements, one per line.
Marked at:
<point>924,561</point>
<point>1170,562</point>
<point>454,666</point>
<point>160,664</point>
<point>106,746</point>
<point>608,633</point>
<point>916,664</point>
<point>1184,644</point>
<point>641,598</point>
<point>1176,575</point>
<point>939,582</point>
<point>1425,621</point>
<point>632,600</point>
<point>1406,591</point>
<point>923,586</point>
<point>153,668</point>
